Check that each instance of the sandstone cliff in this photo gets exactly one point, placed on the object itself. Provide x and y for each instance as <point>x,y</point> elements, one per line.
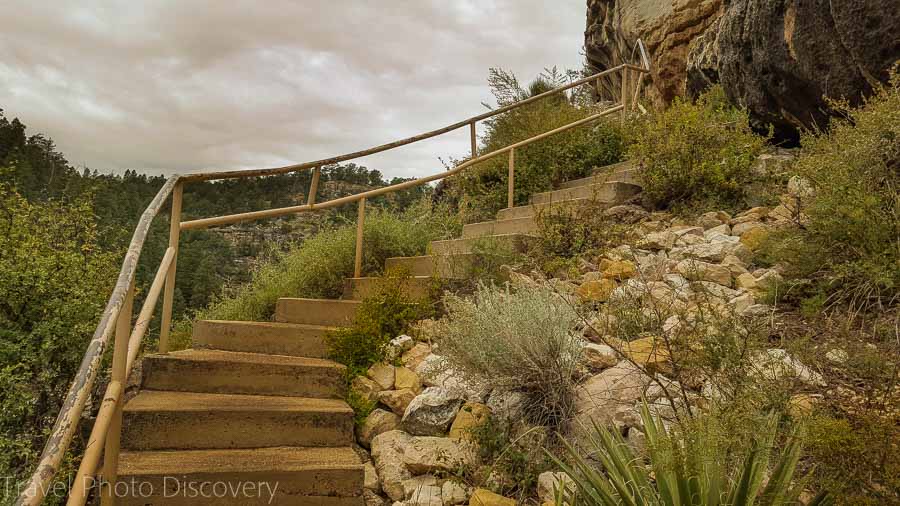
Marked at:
<point>778,58</point>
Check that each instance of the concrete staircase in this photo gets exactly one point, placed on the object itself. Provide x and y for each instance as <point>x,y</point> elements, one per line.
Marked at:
<point>257,402</point>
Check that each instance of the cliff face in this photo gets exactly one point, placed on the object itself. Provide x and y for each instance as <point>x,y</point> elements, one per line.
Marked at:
<point>778,58</point>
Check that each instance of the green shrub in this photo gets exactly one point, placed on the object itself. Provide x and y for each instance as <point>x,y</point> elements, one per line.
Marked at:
<point>316,268</point>
<point>849,241</point>
<point>687,468</point>
<point>382,316</point>
<point>696,155</point>
<point>482,190</point>
<point>516,340</point>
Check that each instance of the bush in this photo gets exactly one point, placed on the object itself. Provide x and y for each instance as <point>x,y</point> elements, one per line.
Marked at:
<point>696,155</point>
<point>482,190</point>
<point>382,316</point>
<point>317,267</point>
<point>516,340</point>
<point>687,468</point>
<point>848,242</point>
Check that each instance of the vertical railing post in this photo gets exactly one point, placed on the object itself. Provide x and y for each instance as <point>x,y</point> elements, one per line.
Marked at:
<point>624,93</point>
<point>360,222</point>
<point>512,178</point>
<point>169,293</point>
<point>119,361</point>
<point>314,186</point>
<point>473,139</point>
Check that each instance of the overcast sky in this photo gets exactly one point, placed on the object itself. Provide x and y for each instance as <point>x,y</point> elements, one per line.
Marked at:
<point>183,86</point>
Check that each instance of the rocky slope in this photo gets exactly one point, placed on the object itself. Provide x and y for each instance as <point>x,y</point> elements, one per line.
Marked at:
<point>778,58</point>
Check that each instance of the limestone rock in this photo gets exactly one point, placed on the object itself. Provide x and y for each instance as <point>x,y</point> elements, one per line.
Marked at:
<point>425,495</point>
<point>470,415</point>
<point>431,412</point>
<point>776,364</point>
<point>755,237</point>
<point>397,400</point>
<point>713,219</point>
<point>425,454</point>
<point>405,378</point>
<point>597,398</point>
<point>620,270</point>
<point>627,214</point>
<point>483,497</point>
<point>436,372</point>
<point>599,356</point>
<point>383,374</point>
<point>371,498</point>
<point>365,388</point>
<point>411,486</point>
<point>507,405</point>
<point>387,452</point>
<point>596,291</point>
<point>453,492</point>
<point>378,422</point>
<point>650,353</point>
<point>704,271</point>
<point>550,482</point>
<point>658,240</point>
<point>370,480</point>
<point>713,252</point>
<point>415,355</point>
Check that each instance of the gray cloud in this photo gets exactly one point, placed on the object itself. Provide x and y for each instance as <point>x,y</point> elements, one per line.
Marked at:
<point>181,86</point>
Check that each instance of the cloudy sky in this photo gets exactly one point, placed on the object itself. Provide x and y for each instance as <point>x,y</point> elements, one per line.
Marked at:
<point>188,85</point>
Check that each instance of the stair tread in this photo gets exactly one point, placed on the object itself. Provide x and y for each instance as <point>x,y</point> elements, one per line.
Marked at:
<point>418,278</point>
<point>483,237</point>
<point>210,355</point>
<point>336,301</point>
<point>282,325</point>
<point>170,401</point>
<point>275,459</point>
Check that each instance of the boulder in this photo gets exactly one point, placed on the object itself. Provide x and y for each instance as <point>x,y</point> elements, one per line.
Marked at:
<point>649,353</point>
<point>598,356</point>
<point>371,498</point>
<point>405,378</point>
<point>550,482</point>
<point>425,454</point>
<point>776,364</point>
<point>365,388</point>
<point>370,478</point>
<point>713,219</point>
<point>431,412</point>
<point>506,405</point>
<point>387,452</point>
<point>399,345</point>
<point>663,240</point>
<point>627,214</point>
<point>597,398</point>
<point>454,492</point>
<point>382,374</point>
<point>378,422</point>
<point>596,291</point>
<point>412,485</point>
<point>713,252</point>
<point>695,270</point>
<point>470,415</point>
<point>415,355</point>
<point>620,270</point>
<point>397,400</point>
<point>436,372</point>
<point>483,497</point>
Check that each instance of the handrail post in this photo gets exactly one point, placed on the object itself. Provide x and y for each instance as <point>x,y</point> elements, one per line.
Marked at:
<point>360,221</point>
<point>314,186</point>
<point>473,139</point>
<point>512,178</point>
<point>624,93</point>
<point>169,294</point>
<point>119,362</point>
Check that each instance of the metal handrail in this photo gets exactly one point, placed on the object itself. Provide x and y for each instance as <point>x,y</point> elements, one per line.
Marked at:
<point>117,316</point>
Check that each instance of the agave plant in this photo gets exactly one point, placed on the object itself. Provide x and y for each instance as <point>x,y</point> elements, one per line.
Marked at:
<point>682,471</point>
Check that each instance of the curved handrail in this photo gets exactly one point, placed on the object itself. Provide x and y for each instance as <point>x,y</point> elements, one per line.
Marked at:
<point>117,313</point>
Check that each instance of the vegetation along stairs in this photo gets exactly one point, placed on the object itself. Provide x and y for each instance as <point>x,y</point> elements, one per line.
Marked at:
<point>258,402</point>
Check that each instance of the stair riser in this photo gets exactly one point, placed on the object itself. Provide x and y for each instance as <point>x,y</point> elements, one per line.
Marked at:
<point>323,486</point>
<point>197,430</point>
<point>161,373</point>
<point>516,226</point>
<point>261,337</point>
<point>513,243</point>
<point>606,193</point>
<point>447,267</point>
<point>532,210</point>
<point>360,288</point>
<point>625,176</point>
<point>316,312</point>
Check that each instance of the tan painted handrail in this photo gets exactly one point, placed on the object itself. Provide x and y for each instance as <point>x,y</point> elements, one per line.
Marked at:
<point>117,316</point>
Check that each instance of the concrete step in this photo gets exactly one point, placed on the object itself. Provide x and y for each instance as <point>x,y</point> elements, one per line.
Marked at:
<point>623,176</point>
<point>530,211</point>
<point>414,287</point>
<point>229,372</point>
<point>513,242</point>
<point>262,337</point>
<point>612,192</point>
<point>440,266</point>
<point>525,225</point>
<point>159,420</point>
<point>303,475</point>
<point>327,312</point>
